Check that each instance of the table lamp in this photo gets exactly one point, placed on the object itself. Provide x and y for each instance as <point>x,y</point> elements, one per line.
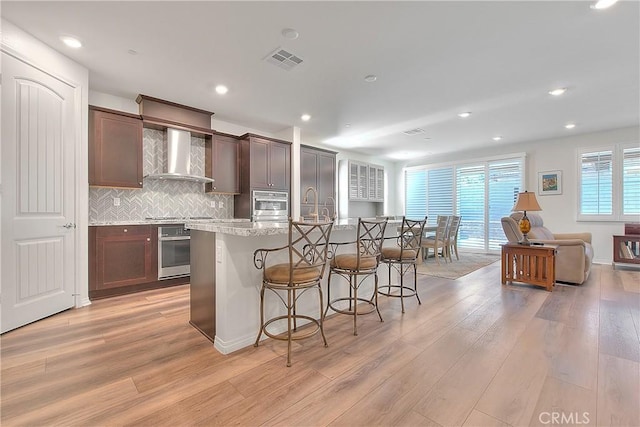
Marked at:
<point>525,202</point>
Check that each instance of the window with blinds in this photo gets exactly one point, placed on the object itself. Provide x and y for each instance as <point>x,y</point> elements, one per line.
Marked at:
<point>596,190</point>
<point>415,193</point>
<point>439,194</point>
<point>482,193</point>
<point>631,181</point>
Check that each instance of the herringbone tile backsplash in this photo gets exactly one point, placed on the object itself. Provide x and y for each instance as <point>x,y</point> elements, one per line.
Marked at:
<point>160,198</point>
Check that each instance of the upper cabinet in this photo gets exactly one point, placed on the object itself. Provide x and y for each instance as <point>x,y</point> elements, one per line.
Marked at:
<point>222,163</point>
<point>318,170</point>
<point>115,149</point>
<point>366,182</point>
<point>267,163</point>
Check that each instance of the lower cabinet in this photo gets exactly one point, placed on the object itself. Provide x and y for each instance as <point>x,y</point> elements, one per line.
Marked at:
<point>124,259</point>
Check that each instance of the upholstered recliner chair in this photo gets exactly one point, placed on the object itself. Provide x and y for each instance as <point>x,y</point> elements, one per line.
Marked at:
<point>574,254</point>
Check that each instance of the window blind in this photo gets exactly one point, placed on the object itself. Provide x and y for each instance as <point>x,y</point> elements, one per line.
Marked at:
<point>596,178</point>
<point>439,193</point>
<point>631,181</point>
<point>415,193</point>
<point>504,184</point>
<point>470,191</point>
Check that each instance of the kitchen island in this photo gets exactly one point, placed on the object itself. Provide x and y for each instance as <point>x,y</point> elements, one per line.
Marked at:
<point>225,285</point>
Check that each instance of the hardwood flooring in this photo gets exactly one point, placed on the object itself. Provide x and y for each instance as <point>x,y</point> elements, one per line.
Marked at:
<point>475,353</point>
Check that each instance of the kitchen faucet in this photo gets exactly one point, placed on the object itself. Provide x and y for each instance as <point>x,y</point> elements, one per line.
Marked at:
<point>335,207</point>
<point>313,214</point>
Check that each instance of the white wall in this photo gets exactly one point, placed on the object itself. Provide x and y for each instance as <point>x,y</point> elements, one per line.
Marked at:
<point>559,211</point>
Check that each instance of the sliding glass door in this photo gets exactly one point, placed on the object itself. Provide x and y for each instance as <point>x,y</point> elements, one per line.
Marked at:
<point>481,192</point>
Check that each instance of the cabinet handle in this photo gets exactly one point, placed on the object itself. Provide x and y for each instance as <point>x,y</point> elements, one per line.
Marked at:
<point>125,230</point>
<point>214,188</point>
<point>140,182</point>
<point>148,239</point>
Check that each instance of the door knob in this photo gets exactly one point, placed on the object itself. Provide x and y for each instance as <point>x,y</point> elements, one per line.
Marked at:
<point>69,225</point>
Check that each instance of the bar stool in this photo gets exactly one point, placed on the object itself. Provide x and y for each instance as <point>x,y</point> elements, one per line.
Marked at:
<point>307,256</point>
<point>356,267</point>
<point>402,257</point>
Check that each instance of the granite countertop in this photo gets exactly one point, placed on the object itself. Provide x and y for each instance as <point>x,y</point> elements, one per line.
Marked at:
<point>152,221</point>
<point>248,229</point>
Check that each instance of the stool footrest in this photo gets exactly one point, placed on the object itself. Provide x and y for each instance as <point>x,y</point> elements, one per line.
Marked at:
<point>295,334</point>
<point>408,292</point>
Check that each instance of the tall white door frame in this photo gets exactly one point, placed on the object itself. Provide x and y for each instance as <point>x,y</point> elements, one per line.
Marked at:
<point>32,54</point>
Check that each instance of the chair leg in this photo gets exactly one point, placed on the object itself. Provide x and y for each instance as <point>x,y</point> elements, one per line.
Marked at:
<point>435,254</point>
<point>355,302</point>
<point>324,338</point>
<point>261,316</point>
<point>415,283</point>
<point>289,331</point>
<point>401,288</point>
<point>328,294</point>
<point>295,323</point>
<point>455,246</point>
<point>375,293</point>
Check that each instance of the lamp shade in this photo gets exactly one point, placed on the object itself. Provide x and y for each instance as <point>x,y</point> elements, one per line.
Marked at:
<point>526,201</point>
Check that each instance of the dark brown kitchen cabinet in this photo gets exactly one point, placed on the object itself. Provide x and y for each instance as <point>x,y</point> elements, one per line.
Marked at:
<point>268,164</point>
<point>124,259</point>
<point>115,149</point>
<point>317,170</point>
<point>222,163</point>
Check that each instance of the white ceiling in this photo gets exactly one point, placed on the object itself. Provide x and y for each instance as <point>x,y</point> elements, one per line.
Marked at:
<point>433,60</point>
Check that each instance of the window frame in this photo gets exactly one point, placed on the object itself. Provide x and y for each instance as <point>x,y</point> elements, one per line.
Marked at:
<point>617,188</point>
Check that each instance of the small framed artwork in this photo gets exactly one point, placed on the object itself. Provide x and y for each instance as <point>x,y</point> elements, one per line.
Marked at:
<point>549,182</point>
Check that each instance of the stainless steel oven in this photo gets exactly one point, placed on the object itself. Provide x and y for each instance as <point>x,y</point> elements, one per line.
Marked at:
<point>174,253</point>
<point>269,206</point>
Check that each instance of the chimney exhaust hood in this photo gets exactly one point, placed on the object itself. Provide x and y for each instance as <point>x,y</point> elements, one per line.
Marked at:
<point>177,164</point>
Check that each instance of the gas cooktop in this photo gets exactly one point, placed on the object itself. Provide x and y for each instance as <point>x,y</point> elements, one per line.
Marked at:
<point>174,218</point>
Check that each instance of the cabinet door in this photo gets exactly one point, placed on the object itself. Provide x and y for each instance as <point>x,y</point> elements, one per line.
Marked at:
<point>327,178</point>
<point>280,165</point>
<point>123,257</point>
<point>224,165</point>
<point>376,183</point>
<point>259,163</point>
<point>308,176</point>
<point>115,150</point>
<point>380,184</point>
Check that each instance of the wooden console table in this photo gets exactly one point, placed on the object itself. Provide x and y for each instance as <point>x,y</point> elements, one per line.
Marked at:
<point>533,264</point>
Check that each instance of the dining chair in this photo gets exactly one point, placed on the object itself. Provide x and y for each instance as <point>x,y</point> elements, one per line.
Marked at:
<point>437,241</point>
<point>451,242</point>
<point>307,251</point>
<point>355,267</point>
<point>402,257</point>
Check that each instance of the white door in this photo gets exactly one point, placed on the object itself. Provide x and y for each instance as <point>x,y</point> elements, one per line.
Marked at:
<point>38,194</point>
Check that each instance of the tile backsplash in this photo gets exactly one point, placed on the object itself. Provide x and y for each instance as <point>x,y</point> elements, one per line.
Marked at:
<point>160,198</point>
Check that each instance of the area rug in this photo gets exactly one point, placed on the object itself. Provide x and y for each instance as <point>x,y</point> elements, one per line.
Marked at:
<point>469,262</point>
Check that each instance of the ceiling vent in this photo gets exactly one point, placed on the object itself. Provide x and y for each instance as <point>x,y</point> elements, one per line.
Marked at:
<point>416,131</point>
<point>283,59</point>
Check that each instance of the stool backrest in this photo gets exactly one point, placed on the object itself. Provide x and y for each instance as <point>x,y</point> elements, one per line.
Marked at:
<point>308,245</point>
<point>370,237</point>
<point>410,238</point>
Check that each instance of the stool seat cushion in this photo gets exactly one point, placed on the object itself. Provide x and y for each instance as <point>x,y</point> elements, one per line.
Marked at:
<point>394,253</point>
<point>350,262</point>
<point>279,273</point>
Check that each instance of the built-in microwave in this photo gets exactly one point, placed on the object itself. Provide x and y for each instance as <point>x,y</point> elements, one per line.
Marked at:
<point>269,206</point>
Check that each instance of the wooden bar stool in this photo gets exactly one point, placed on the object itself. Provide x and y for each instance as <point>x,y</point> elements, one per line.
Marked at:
<point>307,251</point>
<point>402,257</point>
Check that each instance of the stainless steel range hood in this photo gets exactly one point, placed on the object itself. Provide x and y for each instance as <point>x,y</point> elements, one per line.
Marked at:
<point>177,164</point>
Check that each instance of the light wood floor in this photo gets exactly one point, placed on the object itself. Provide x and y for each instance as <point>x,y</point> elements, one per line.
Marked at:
<point>475,353</point>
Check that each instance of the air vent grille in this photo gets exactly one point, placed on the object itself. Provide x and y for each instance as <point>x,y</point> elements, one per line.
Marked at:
<point>283,59</point>
<point>411,132</point>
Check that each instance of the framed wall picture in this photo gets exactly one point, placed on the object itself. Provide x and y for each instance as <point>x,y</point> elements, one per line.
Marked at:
<point>549,182</point>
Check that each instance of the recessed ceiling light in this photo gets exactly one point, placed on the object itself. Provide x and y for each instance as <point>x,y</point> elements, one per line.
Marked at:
<point>465,114</point>
<point>570,125</point>
<point>71,41</point>
<point>497,138</point>
<point>305,117</point>
<point>348,125</point>
<point>222,89</point>
<point>370,78</point>
<point>557,92</point>
<point>290,33</point>
<point>603,4</point>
